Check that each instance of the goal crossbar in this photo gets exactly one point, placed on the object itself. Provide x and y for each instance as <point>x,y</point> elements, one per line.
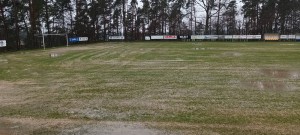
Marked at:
<point>44,35</point>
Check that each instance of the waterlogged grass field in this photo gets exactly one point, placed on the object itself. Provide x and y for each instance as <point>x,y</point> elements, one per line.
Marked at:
<point>207,88</point>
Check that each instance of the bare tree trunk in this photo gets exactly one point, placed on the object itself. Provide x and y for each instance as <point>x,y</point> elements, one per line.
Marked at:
<point>32,22</point>
<point>207,22</point>
<point>3,19</point>
<point>124,19</point>
<point>17,26</point>
<point>218,18</point>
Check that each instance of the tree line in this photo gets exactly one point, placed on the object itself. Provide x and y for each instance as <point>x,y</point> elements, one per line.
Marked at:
<point>22,20</point>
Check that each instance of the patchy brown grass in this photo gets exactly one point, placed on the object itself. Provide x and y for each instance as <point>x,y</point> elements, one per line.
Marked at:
<point>151,88</point>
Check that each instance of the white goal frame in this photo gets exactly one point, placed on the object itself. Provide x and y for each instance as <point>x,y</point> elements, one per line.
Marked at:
<point>62,34</point>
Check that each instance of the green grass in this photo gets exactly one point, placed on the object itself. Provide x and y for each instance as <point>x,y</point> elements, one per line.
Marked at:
<point>252,88</point>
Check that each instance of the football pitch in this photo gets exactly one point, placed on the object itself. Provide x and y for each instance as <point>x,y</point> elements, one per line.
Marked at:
<point>152,88</point>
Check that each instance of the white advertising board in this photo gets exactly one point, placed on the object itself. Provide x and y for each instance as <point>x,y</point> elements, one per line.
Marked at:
<point>257,37</point>
<point>197,37</point>
<point>157,37</point>
<point>250,37</point>
<point>292,37</point>
<point>2,43</point>
<point>207,36</point>
<point>170,37</point>
<point>212,36</point>
<point>116,37</point>
<point>221,36</point>
<point>235,36</point>
<point>83,39</point>
<point>228,36</point>
<point>243,36</point>
<point>283,36</point>
<point>147,38</point>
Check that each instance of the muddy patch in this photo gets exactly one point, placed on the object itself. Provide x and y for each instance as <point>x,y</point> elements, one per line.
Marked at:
<point>114,128</point>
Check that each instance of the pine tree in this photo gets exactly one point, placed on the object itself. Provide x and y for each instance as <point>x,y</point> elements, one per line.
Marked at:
<point>230,17</point>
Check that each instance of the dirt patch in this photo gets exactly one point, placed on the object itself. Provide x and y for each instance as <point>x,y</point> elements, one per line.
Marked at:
<point>276,73</point>
<point>114,128</point>
<point>271,85</point>
<point>295,75</point>
<point>10,93</point>
<point>281,73</point>
<point>38,123</point>
<point>24,126</point>
<point>5,128</point>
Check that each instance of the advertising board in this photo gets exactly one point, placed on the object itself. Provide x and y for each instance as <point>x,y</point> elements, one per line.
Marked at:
<point>170,37</point>
<point>250,37</point>
<point>257,37</point>
<point>235,36</point>
<point>74,39</point>
<point>116,37</point>
<point>2,43</point>
<point>291,36</point>
<point>271,37</point>
<point>243,36</point>
<point>198,37</point>
<point>228,36</point>
<point>212,36</point>
<point>183,37</point>
<point>221,37</point>
<point>155,37</point>
<point>82,39</point>
<point>298,37</point>
<point>147,38</point>
<point>283,36</point>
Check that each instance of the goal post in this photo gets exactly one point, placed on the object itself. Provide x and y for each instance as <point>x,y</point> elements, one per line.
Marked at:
<point>45,35</point>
